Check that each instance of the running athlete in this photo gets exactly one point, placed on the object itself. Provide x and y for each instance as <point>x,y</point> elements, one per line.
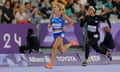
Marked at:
<point>57,22</point>
<point>93,35</point>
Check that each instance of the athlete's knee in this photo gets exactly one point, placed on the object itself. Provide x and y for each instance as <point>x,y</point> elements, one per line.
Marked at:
<point>61,50</point>
<point>55,46</point>
<point>98,49</point>
<point>112,46</point>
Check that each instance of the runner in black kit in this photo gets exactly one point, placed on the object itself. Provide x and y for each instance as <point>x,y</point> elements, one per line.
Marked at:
<point>93,35</point>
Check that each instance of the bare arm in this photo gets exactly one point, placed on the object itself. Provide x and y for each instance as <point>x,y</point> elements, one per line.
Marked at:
<point>70,22</point>
<point>6,16</point>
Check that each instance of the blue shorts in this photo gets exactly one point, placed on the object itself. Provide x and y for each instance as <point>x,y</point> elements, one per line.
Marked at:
<point>61,34</point>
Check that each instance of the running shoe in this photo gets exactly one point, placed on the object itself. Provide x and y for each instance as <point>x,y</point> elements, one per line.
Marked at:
<point>74,43</point>
<point>49,66</point>
<point>109,57</point>
<point>84,64</point>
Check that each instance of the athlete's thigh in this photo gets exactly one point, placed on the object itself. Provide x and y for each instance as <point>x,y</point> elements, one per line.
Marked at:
<point>57,41</point>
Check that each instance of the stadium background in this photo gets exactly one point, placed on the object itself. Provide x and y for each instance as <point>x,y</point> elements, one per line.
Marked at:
<point>13,35</point>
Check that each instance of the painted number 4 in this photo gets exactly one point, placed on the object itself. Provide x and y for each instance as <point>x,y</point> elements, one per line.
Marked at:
<point>7,39</point>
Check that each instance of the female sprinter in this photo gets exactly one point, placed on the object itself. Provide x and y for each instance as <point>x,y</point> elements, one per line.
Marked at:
<point>57,22</point>
<point>93,35</point>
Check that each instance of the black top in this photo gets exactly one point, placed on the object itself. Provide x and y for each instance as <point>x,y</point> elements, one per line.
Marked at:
<point>9,13</point>
<point>94,20</point>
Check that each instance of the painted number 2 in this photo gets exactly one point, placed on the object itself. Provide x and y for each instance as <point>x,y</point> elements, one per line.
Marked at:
<point>7,39</point>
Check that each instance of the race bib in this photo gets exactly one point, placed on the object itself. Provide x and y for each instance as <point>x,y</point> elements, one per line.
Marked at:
<point>91,28</point>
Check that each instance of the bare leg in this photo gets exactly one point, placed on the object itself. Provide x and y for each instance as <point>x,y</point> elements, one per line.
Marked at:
<point>54,50</point>
<point>59,43</point>
<point>64,48</point>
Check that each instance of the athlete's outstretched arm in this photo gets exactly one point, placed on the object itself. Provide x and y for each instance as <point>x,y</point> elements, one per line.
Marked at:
<point>109,23</point>
<point>103,18</point>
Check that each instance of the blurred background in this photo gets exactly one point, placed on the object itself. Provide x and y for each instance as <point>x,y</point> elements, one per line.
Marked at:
<point>17,16</point>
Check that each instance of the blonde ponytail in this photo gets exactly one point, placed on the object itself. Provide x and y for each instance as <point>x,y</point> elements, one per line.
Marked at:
<point>61,7</point>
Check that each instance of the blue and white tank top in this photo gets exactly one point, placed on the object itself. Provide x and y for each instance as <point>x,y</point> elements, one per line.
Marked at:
<point>57,23</point>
